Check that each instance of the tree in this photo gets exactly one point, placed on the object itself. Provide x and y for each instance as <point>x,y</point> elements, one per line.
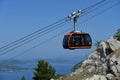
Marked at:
<point>23,78</point>
<point>44,71</point>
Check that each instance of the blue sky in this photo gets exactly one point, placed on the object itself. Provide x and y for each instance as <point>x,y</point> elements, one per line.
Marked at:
<point>22,17</point>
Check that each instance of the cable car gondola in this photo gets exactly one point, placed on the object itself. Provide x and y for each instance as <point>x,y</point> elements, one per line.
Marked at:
<point>76,39</point>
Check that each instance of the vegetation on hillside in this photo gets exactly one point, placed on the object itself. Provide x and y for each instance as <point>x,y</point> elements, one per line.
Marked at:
<point>97,45</point>
<point>78,65</point>
<point>117,35</point>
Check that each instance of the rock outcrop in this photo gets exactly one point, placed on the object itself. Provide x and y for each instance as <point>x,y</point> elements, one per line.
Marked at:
<point>114,44</point>
<point>102,64</point>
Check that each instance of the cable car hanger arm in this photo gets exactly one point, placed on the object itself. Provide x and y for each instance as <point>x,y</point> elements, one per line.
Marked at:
<point>79,12</point>
<point>75,15</point>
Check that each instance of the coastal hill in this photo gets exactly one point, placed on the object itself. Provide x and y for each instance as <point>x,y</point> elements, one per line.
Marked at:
<point>102,64</point>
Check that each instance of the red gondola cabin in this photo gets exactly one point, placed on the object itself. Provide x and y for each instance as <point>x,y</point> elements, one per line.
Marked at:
<point>77,40</point>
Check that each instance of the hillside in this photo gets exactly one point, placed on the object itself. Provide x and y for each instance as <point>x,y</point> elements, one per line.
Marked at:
<point>102,64</point>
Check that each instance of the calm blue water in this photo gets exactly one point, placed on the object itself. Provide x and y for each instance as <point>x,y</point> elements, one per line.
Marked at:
<point>17,75</point>
<point>62,66</point>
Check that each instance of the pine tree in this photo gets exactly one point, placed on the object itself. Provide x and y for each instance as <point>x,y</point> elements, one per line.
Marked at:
<point>23,78</point>
<point>44,71</point>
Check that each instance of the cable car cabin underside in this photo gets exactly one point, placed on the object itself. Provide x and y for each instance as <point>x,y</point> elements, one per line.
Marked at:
<point>77,40</point>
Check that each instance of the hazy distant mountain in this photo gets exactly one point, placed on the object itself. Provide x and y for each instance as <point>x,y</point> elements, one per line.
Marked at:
<point>13,65</point>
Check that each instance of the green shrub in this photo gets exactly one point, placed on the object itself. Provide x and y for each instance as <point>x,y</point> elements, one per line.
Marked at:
<point>78,65</point>
<point>117,35</point>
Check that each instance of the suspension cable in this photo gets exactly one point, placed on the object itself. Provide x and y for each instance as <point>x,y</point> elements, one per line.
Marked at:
<point>41,43</point>
<point>33,38</point>
<point>22,41</point>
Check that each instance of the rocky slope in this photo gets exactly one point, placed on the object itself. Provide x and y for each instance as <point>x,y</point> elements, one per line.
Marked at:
<point>102,64</point>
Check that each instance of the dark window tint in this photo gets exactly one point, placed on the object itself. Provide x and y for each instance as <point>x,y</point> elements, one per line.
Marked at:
<point>65,42</point>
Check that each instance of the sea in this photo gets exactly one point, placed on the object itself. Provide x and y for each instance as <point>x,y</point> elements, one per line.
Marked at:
<point>18,74</point>
<point>15,71</point>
